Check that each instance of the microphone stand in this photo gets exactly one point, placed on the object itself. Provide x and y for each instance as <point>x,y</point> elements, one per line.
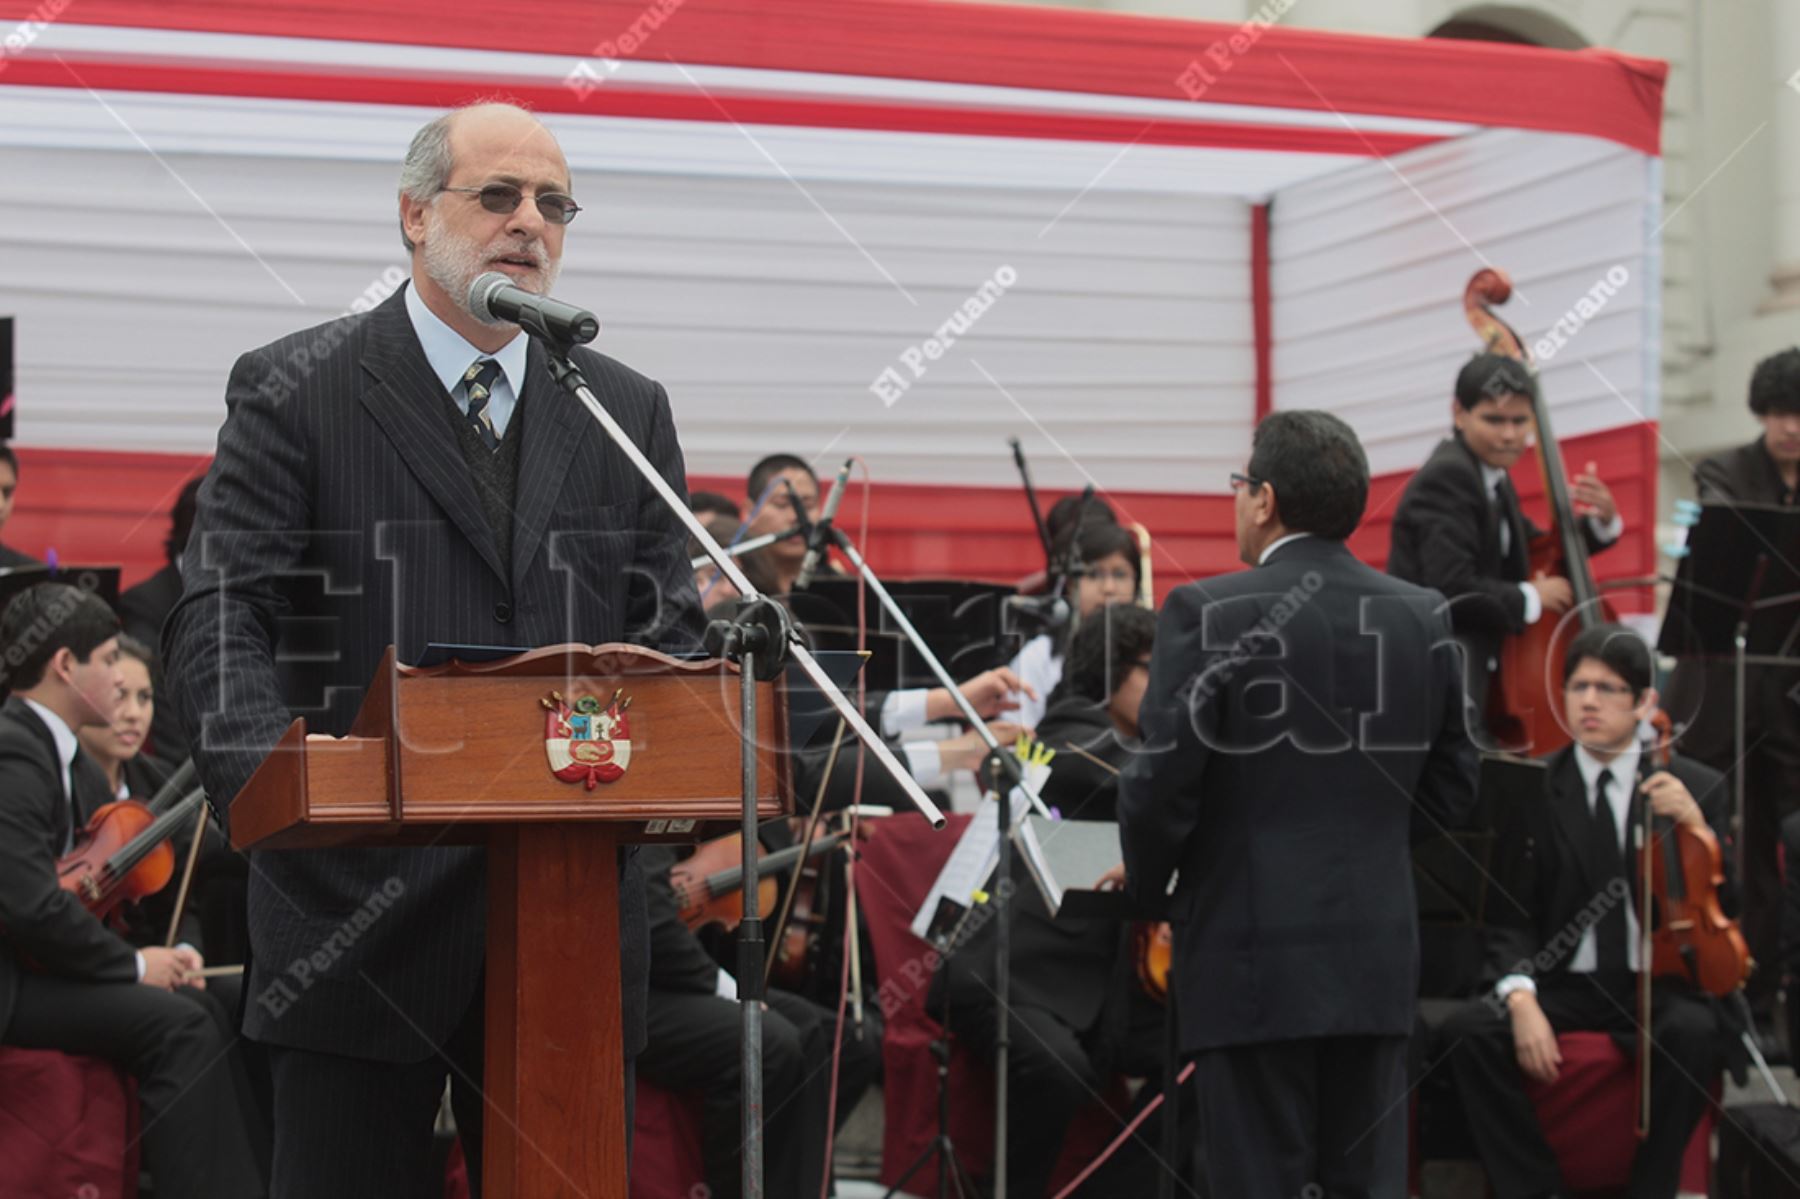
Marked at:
<point>1003,773</point>
<point>762,640</point>
<point>753,543</point>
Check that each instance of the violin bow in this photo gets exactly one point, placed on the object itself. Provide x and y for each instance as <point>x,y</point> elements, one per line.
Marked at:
<point>812,827</point>
<point>187,875</point>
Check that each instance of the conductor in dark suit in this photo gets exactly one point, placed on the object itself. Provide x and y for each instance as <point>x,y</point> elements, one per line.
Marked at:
<point>1301,717</point>
<point>1703,694</point>
<point>1563,934</point>
<point>1459,528</point>
<point>401,477</point>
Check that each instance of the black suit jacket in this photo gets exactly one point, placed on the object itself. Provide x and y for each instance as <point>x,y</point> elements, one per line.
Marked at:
<point>10,558</point>
<point>1446,536</point>
<point>1300,716</point>
<point>40,920</point>
<point>678,961</point>
<point>1703,693</point>
<point>340,517</point>
<point>143,608</point>
<point>1542,879</point>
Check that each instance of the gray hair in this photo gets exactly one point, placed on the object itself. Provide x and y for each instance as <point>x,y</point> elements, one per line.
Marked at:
<point>426,170</point>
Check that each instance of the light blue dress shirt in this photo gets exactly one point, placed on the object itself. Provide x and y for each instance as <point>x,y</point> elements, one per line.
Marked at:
<point>450,356</point>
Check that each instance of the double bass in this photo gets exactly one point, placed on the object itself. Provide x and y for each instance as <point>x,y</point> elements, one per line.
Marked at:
<point>1525,703</point>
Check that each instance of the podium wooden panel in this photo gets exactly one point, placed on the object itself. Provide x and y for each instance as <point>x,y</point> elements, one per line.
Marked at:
<point>456,754</point>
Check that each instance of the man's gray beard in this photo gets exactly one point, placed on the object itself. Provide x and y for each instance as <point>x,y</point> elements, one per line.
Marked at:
<point>453,263</point>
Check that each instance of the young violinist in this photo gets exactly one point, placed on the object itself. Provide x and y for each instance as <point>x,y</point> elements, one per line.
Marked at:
<point>67,981</point>
<point>1459,528</point>
<point>1563,937</point>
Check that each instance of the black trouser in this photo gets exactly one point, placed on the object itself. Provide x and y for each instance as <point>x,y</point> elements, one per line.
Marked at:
<point>347,1127</point>
<point>192,1122</point>
<point>1479,1043</point>
<point>694,1043</point>
<point>1320,1117</point>
<point>1052,1075</point>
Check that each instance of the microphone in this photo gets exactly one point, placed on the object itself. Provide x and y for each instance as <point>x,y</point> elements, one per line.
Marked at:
<point>1050,612</point>
<point>821,531</point>
<point>494,297</point>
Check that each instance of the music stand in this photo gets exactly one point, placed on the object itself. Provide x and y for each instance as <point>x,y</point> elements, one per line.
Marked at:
<point>1748,610</point>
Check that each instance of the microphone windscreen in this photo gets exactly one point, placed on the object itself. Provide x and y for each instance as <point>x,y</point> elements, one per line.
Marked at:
<point>479,292</point>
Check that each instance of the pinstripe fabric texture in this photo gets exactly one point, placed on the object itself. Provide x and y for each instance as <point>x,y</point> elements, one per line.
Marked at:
<point>339,517</point>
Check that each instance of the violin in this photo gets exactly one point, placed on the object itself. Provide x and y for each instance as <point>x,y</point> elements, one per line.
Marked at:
<point>1525,703</point>
<point>1683,930</point>
<point>1693,938</point>
<point>123,853</point>
<point>1154,947</point>
<point>796,948</point>
<point>710,894</point>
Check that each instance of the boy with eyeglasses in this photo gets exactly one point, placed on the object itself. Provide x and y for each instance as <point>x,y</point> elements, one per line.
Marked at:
<point>1563,934</point>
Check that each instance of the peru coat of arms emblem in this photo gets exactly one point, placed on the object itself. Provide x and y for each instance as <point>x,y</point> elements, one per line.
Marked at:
<point>585,742</point>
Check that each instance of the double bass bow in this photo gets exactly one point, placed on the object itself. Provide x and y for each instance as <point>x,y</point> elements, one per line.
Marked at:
<point>1525,705</point>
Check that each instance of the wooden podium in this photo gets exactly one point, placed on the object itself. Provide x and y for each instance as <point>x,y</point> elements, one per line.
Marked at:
<point>552,759</point>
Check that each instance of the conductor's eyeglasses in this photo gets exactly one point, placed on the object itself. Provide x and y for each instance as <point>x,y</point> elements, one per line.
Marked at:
<point>504,198</point>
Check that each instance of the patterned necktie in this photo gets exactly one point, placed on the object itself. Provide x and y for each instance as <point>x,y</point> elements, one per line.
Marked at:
<point>478,383</point>
<point>1608,861</point>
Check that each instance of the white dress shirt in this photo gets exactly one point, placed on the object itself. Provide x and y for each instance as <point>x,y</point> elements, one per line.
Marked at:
<point>1276,544</point>
<point>450,356</point>
<point>1607,533</point>
<point>1619,794</point>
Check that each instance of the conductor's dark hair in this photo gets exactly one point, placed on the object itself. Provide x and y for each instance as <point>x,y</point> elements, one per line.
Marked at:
<point>11,459</point>
<point>1775,384</point>
<point>708,503</point>
<point>46,618</point>
<point>1318,470</point>
<point>1615,647</point>
<point>769,467</point>
<point>1492,377</point>
<point>181,519</point>
<point>1105,648</point>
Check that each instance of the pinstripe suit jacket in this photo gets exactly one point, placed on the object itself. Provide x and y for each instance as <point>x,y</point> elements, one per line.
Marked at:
<point>339,517</point>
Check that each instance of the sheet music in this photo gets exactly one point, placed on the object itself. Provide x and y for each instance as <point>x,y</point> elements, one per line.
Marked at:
<point>1067,855</point>
<point>972,862</point>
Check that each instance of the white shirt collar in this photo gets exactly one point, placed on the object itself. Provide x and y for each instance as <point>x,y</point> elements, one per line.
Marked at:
<point>450,353</point>
<point>1624,773</point>
<point>1490,476</point>
<point>64,736</point>
<point>1277,544</point>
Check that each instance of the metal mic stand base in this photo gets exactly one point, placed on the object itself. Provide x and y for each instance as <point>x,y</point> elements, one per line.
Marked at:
<point>950,1172</point>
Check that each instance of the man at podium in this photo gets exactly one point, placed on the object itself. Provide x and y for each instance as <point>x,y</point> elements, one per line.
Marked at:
<point>406,476</point>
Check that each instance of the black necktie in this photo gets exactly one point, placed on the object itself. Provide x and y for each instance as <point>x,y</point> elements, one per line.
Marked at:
<point>1608,862</point>
<point>1506,505</point>
<point>478,382</point>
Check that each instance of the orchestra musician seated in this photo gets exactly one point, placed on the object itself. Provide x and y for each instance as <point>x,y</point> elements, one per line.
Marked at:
<point>1107,567</point>
<point>694,1027</point>
<point>67,981</point>
<point>9,486</point>
<point>1563,934</point>
<point>1078,1014</point>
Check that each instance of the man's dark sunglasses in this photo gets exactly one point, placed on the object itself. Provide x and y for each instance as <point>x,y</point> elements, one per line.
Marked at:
<point>504,198</point>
